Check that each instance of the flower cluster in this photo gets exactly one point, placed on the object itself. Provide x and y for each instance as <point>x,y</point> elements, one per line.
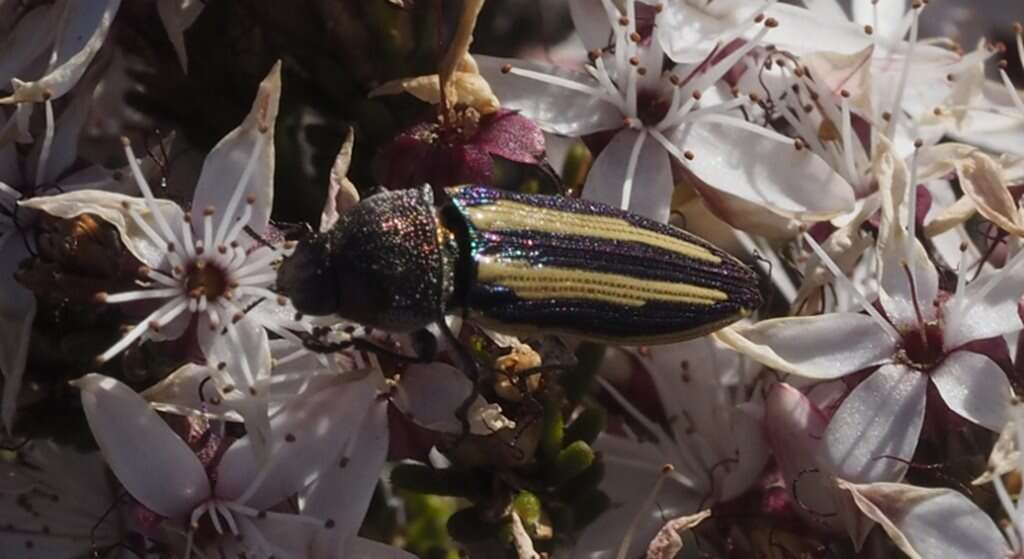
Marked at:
<point>163,396</point>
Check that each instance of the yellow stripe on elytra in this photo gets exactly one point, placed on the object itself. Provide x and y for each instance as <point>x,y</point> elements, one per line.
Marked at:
<point>552,282</point>
<point>505,215</point>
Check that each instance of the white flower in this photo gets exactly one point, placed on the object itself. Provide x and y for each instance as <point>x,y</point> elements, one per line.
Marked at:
<point>711,451</point>
<point>904,90</point>
<point>922,339</point>
<point>211,264</point>
<point>57,502</point>
<point>177,16</point>
<point>659,116</point>
<point>942,523</point>
<point>994,116</point>
<point>795,427</point>
<point>312,437</point>
<point>44,171</point>
<point>691,30</point>
<point>76,31</point>
<point>928,523</point>
<point>430,395</point>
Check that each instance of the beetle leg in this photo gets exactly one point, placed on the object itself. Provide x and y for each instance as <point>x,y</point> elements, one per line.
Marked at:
<point>471,369</point>
<point>314,343</point>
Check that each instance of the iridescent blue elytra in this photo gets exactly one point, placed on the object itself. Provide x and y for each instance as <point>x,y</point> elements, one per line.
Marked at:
<point>520,264</point>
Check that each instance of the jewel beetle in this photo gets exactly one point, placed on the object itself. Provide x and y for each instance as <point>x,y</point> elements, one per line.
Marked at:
<point>517,263</point>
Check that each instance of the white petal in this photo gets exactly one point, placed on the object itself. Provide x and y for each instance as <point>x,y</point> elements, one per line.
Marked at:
<point>802,31</point>
<point>976,388</point>
<point>51,498</point>
<point>631,470</point>
<point>651,194</point>
<point>591,23</point>
<point>874,432</point>
<point>689,33</point>
<point>362,548</point>
<point>27,41</point>
<point>290,535</point>
<point>109,207</point>
<point>80,34</point>
<point>1005,456</point>
<point>741,214</point>
<point>669,542</point>
<point>343,491</point>
<point>651,190</point>
<point>178,393</point>
<point>67,128</point>
<point>341,193</point>
<point>828,9</point>
<point>827,346</point>
<point>318,424</point>
<point>904,258</point>
<point>885,17</point>
<point>764,168</point>
<point>249,343</point>
<point>17,310</point>
<point>153,463</point>
<point>430,394</point>
<point>225,166</point>
<point>984,312</point>
<point>930,523</point>
<point>750,451</point>
<point>177,16</point>
<point>555,108</point>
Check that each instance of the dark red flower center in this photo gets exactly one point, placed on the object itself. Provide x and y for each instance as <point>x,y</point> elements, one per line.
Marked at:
<point>651,107</point>
<point>206,279</point>
<point>921,347</point>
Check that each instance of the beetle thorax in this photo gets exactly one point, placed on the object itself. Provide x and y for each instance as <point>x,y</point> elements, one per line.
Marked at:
<point>387,259</point>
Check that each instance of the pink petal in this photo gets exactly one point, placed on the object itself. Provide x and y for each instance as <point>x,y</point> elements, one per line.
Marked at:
<point>826,347</point>
<point>225,165</point>
<point>930,523</point>
<point>152,462</point>
<point>874,432</point>
<point>794,427</point>
<point>308,434</point>
<point>976,388</point>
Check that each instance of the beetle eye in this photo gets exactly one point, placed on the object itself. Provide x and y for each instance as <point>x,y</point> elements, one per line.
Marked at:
<point>307,279</point>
